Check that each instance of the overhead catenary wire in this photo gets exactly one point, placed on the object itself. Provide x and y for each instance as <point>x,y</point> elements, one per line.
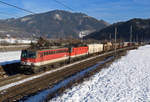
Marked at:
<point>31,12</point>
<point>8,4</point>
<point>64,5</point>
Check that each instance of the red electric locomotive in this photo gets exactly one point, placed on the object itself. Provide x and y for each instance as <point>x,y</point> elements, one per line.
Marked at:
<point>36,60</point>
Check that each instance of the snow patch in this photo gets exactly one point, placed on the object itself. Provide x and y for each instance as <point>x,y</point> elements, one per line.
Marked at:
<point>85,33</point>
<point>57,17</point>
<point>9,57</point>
<point>31,22</point>
<point>26,19</point>
<point>13,41</point>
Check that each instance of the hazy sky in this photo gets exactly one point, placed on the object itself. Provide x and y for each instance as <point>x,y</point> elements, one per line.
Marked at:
<point>109,10</point>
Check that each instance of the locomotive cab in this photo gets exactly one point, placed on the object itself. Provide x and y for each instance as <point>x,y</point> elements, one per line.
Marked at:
<point>28,57</point>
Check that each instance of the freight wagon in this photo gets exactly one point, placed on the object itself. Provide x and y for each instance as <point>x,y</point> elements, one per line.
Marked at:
<point>108,46</point>
<point>95,48</point>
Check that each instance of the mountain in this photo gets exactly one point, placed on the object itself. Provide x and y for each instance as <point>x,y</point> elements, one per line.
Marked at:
<point>53,24</point>
<point>140,30</point>
<point>7,30</point>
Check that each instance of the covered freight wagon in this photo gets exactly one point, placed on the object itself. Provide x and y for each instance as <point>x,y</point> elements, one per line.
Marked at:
<point>95,48</point>
<point>126,44</point>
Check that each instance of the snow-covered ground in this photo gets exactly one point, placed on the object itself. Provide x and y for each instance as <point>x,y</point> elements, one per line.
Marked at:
<point>13,41</point>
<point>126,80</point>
<point>9,57</point>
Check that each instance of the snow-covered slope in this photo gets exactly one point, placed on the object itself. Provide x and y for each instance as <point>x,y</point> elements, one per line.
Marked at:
<point>9,57</point>
<point>126,80</point>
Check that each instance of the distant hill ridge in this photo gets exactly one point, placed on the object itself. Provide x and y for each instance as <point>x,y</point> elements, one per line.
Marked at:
<point>53,24</point>
<point>140,31</point>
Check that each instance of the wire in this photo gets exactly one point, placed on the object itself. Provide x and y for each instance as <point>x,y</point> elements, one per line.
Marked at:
<point>33,12</point>
<point>63,5</point>
<point>17,7</point>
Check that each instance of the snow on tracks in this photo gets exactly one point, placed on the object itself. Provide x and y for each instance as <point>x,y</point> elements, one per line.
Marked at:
<point>126,80</point>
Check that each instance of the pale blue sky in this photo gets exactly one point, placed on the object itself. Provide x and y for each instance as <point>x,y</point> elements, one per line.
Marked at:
<point>109,10</point>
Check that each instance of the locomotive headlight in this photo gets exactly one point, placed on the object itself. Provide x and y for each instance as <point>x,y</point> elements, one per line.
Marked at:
<point>26,63</point>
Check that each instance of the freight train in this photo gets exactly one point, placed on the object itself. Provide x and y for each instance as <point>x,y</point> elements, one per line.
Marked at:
<point>35,60</point>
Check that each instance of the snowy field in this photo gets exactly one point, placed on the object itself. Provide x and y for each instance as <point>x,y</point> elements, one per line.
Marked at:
<point>13,41</point>
<point>126,80</point>
<point>9,57</point>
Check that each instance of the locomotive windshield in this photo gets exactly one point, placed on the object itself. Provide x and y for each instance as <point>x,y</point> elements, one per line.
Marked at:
<point>28,54</point>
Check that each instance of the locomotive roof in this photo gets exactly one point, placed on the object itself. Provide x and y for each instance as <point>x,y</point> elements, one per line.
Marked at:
<point>52,48</point>
<point>43,49</point>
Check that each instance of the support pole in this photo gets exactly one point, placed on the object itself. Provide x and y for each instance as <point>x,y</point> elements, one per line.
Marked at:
<point>130,33</point>
<point>115,39</point>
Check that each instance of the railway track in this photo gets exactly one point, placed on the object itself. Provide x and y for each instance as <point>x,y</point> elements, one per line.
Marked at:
<point>5,81</point>
<point>13,79</point>
<point>32,86</point>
